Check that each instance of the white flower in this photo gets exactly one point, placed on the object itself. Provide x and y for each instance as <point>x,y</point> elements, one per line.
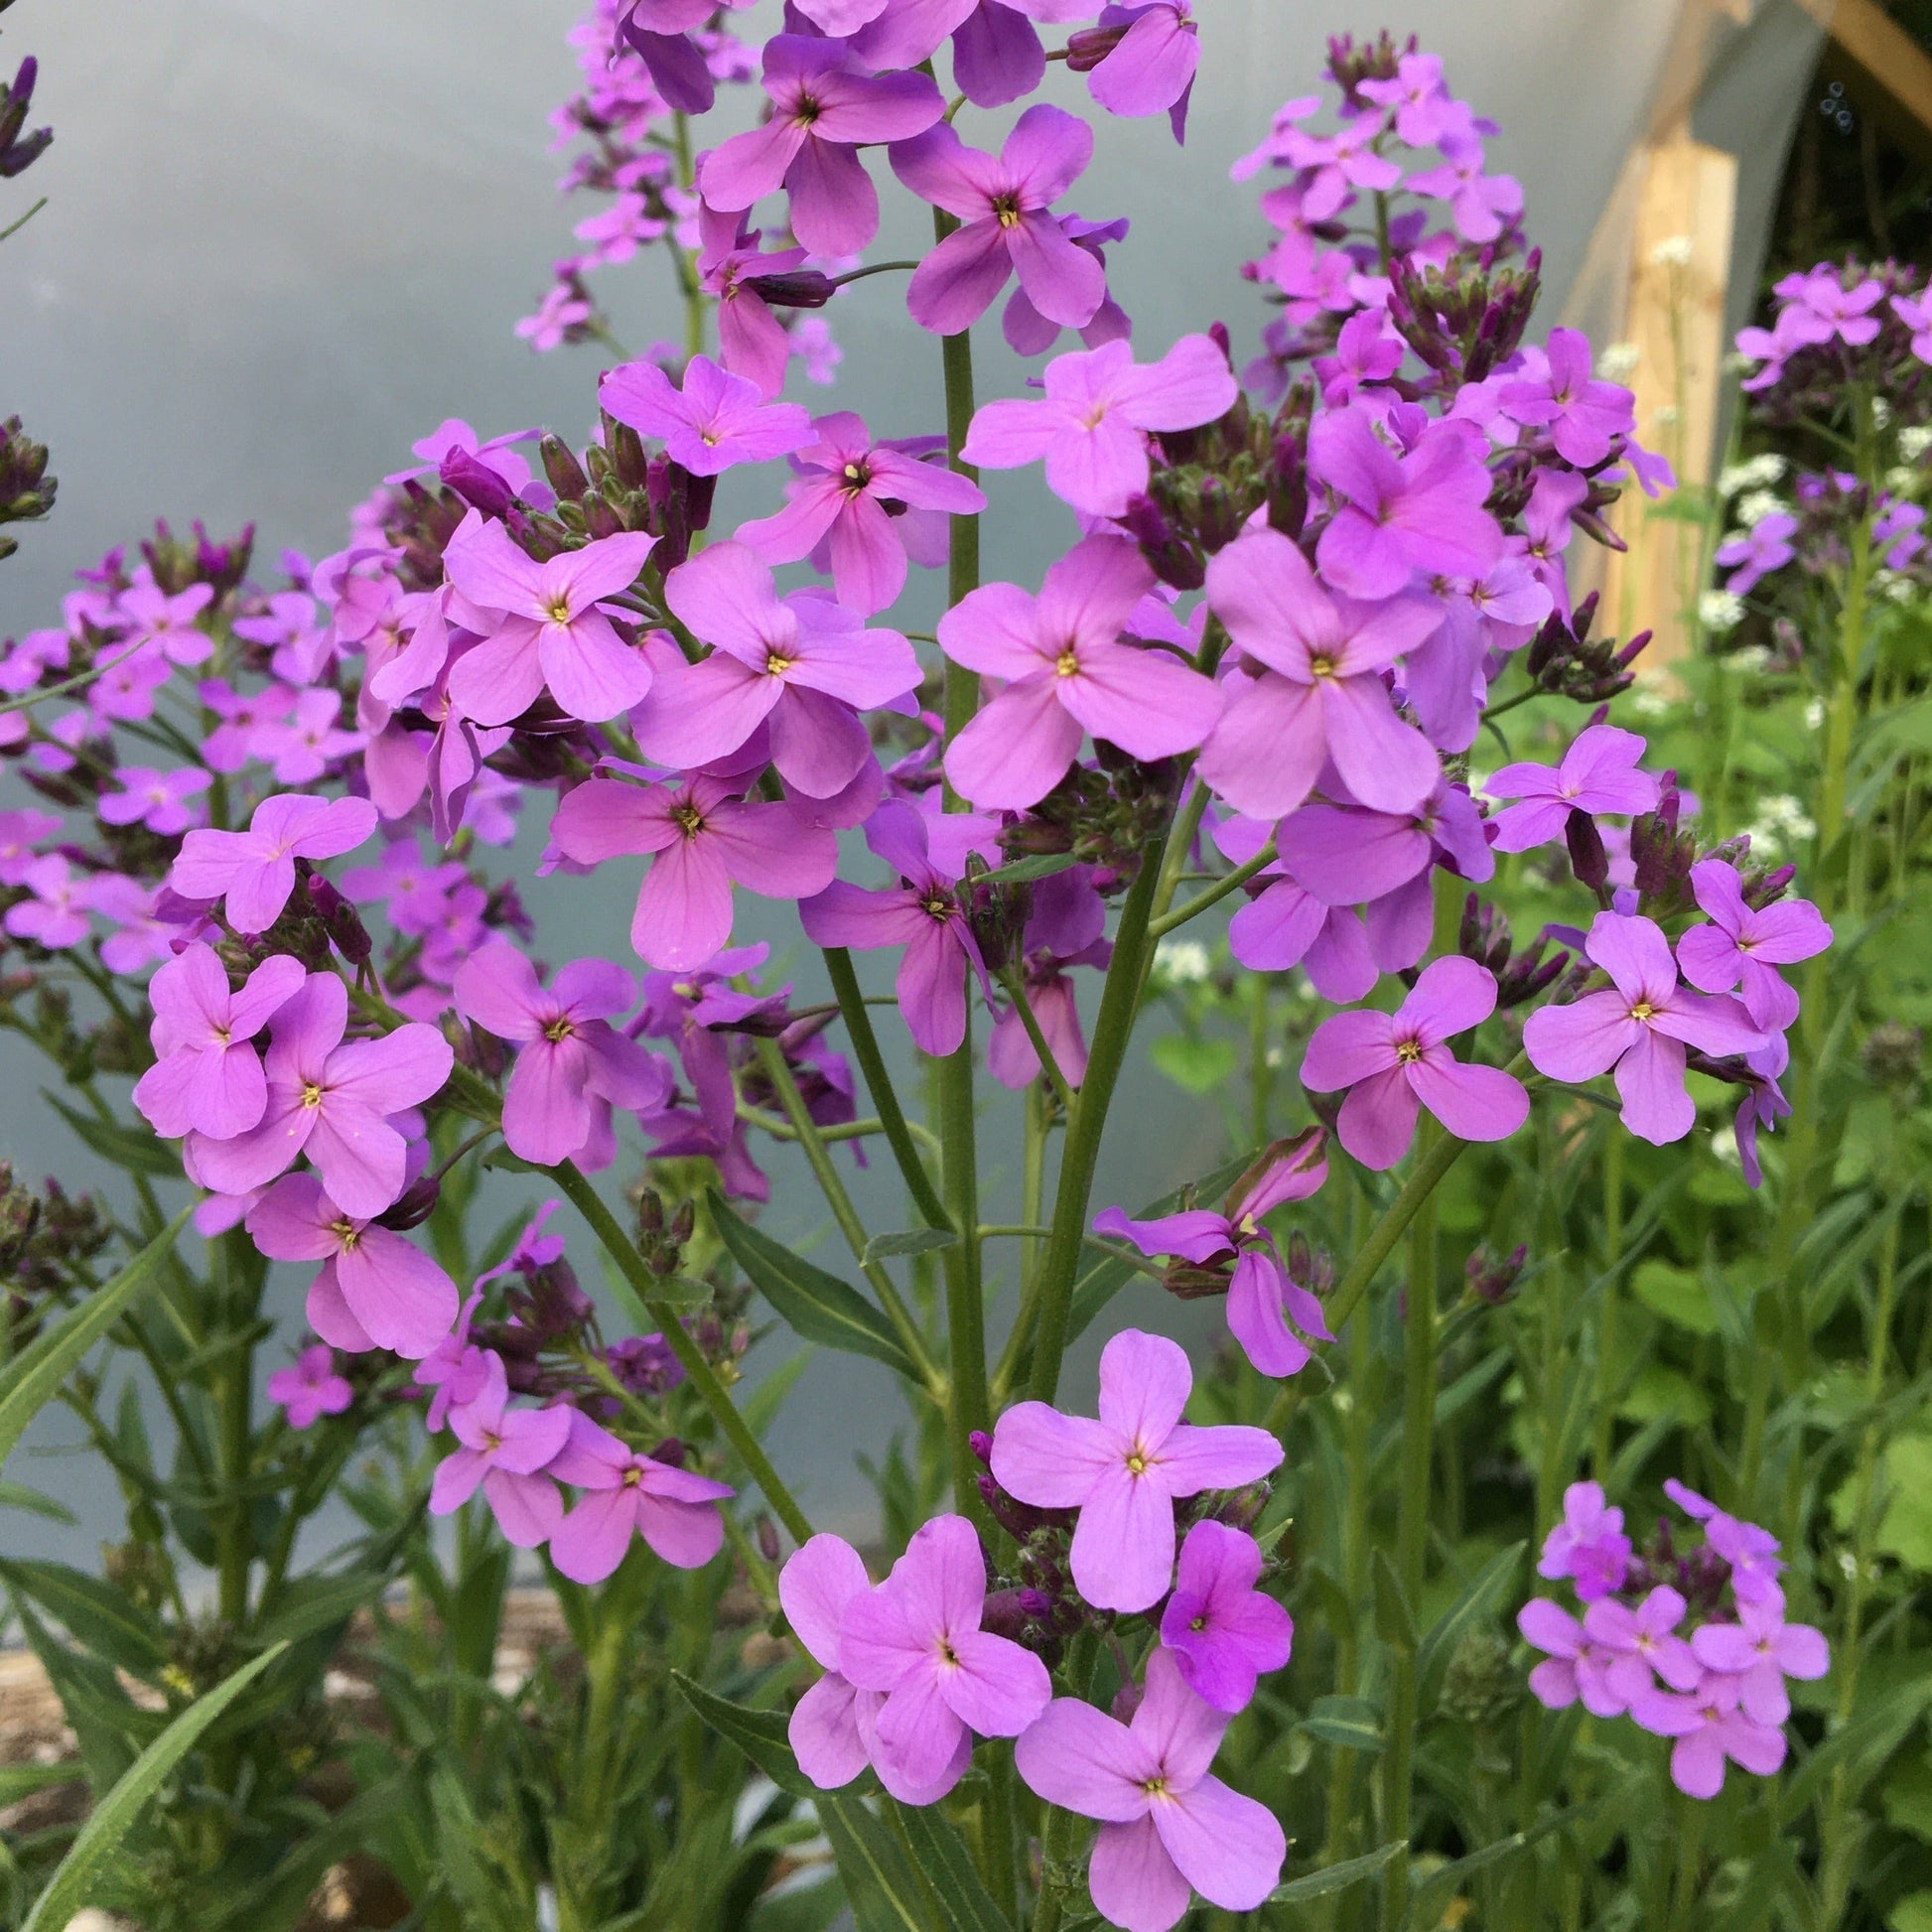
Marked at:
<point>1724,1144</point>
<point>1893,585</point>
<point>1760,473</point>
<point>1754,506</point>
<point>1781,822</point>
<point>1719,610</point>
<point>1617,360</point>
<point>1183,962</point>
<point>1880,412</point>
<point>1753,657</point>
<point>1650,704</point>
<point>1667,415</point>
<point>1814,714</point>
<point>1902,479</point>
<point>1675,251</point>
<point>1914,440</point>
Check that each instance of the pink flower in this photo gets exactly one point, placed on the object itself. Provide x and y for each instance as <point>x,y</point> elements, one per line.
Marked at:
<point>1337,163</point>
<point>571,1055</point>
<point>1557,392</point>
<point>840,509</point>
<point>1748,943</point>
<point>1759,1652</point>
<point>374,1289</point>
<point>1597,774</point>
<point>675,1511</point>
<point>207,1076</point>
<point>254,870</point>
<point>411,892</point>
<point>1222,1632</point>
<point>154,798</point>
<point>551,630</point>
<point>1124,1471</point>
<point>1589,1546</point>
<point>311,1388</point>
<point>302,746</point>
<point>1573,1666</point>
<point>1640,1027</point>
<point>331,1101</point>
<point>1150,67</point>
<point>1094,423</point>
<point>916,1640</point>
<point>166,624</point>
<point>19,832</point>
<point>715,421</point>
<point>1319,694</point>
<point>1168,1826</point>
<point>1395,1064</point>
<point>506,1452</point>
<point>1481,205</point>
<point>1068,671</point>
<point>1721,1732</point>
<point>55,917</point>
<point>801,666</point>
<point>455,1371</point>
<point>1642,1642</point>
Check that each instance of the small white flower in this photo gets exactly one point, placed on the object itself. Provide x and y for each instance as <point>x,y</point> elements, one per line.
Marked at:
<point>1814,714</point>
<point>1617,360</point>
<point>1901,478</point>
<point>1649,704</point>
<point>1274,1056</point>
<point>1754,506</point>
<point>1724,1144</point>
<point>1894,585</point>
<point>1185,962</point>
<point>1760,473</point>
<point>1719,610</point>
<point>1880,412</point>
<point>1667,415</point>
<point>1675,251</point>
<point>1914,440</point>
<point>1753,657</point>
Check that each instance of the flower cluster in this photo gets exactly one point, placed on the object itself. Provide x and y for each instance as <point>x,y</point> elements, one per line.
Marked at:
<point>1691,1644</point>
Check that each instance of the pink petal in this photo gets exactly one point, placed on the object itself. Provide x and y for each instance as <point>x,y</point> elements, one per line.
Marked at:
<point>1475,1103</point>
<point>1581,1041</point>
<point>999,1688</point>
<point>1377,1121</point>
<point>590,1542</point>
<point>1346,1048</point>
<point>1124,1542</point>
<point>1133,1880</point>
<point>1228,1848</point>
<point>1651,1080</point>
<point>684,906</point>
<point>1047,1458</point>
<point>1267,749</point>
<point>824,1734</point>
<point>402,1299</point>
<point>1079,1758</point>
<point>1014,753</point>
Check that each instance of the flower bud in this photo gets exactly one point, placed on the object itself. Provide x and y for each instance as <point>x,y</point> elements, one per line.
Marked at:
<point>1587,858</point>
<point>340,920</point>
<point>1890,1055</point>
<point>767,1534</point>
<point>565,473</point>
<point>1086,48</point>
<point>981,1443</point>
<point>477,483</point>
<point>414,1206</point>
<point>1493,1281</point>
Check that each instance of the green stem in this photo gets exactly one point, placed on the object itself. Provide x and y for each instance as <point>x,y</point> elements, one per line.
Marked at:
<point>1606,1322</point>
<point>235,1439</point>
<point>1221,888</point>
<point>698,1372</point>
<point>879,1084</point>
<point>1050,1067</point>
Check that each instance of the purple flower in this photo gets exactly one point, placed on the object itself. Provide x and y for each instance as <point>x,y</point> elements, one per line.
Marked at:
<point>920,914</point>
<point>1721,1731</point>
<point>302,746</point>
<point>746,282</point>
<point>658,32</point>
<point>156,799</point>
<point>1148,67</point>
<point>55,917</point>
<point>1223,1631</point>
<point>1099,408</point>
<point>1557,392</point>
<point>166,625</point>
<point>801,666</point>
<point>331,1101</point>
<point>1284,924</point>
<point>1262,1295</point>
<point>1589,1546</point>
<point>1319,695</point>
<point>311,1389</point>
<point>1596,774</point>
<point>1764,548</point>
<point>1337,163</point>
<point>1641,1641</point>
<point>570,1053</point>
<point>997,56</point>
<point>715,421</point>
<point>1416,509</point>
<point>1573,1666</point>
<point>1750,1550</point>
<point>1395,1064</point>
<point>1004,206</point>
<point>1640,1027</point>
<point>1065,927</point>
<point>254,870</point>
<point>1168,1826</point>
<point>1124,1471</point>
<point>824,106</point>
<point>706,838</point>
<point>1749,944</point>
<point>141,938</point>
<point>1820,307</point>
<point>19,832</point>
<point>207,1075</point>
<point>1759,1652</point>
<point>374,1289</point>
<point>916,1640</point>
<point>455,1371</point>
<point>505,1450</point>
<point>818,1585</point>
<point>673,1510</point>
<point>840,509</point>
<point>414,894</point>
<point>1068,671</point>
<point>1481,205</point>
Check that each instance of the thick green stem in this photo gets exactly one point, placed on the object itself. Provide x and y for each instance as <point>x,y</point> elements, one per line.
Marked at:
<point>698,1372</point>
<point>879,1084</point>
<point>1605,1432</point>
<point>1214,893</point>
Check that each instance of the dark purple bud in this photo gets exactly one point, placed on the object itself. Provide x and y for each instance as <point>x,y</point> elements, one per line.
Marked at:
<point>415,1205</point>
<point>1127,1700</point>
<point>981,1443</point>
<point>768,1538</point>
<point>340,920</point>
<point>566,474</point>
<point>804,288</point>
<point>1587,858</point>
<point>1491,1280</point>
<point>1086,48</point>
<point>1005,1615</point>
<point>1760,894</point>
<point>477,483</point>
<point>672,1452</point>
<point>1167,554</point>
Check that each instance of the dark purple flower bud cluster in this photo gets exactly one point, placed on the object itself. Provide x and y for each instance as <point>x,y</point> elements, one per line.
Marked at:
<point>1564,661</point>
<point>19,150</point>
<point>26,490</point>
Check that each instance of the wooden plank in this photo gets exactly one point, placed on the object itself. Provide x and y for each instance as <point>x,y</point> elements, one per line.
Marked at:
<point>1884,69</point>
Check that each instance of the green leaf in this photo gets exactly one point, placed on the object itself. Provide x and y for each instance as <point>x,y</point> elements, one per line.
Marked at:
<point>129,1149</point>
<point>1912,1913</point>
<point>95,1614</point>
<point>882,1884</point>
<point>758,1734</point>
<point>1194,1065</point>
<point>813,1304</point>
<point>18,1782</point>
<point>1476,1602</point>
<point>1677,1293</point>
<point>943,1858</point>
<point>1354,1724</point>
<point>1042,864</point>
<point>907,1241</point>
<point>313,1604</point>
<point>115,1817</point>
<point>1431,1900</point>
<point>1395,1620</point>
<point>1332,1878</point>
<point>15,1495</point>
<point>34,1377</point>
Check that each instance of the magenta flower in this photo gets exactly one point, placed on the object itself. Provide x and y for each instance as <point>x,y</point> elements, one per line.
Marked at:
<point>506,1452</point>
<point>374,1289</point>
<point>141,937</point>
<point>840,506</point>
<point>916,1640</point>
<point>1320,693</point>
<point>1558,392</point>
<point>801,666</point>
<point>19,832</point>
<point>1124,1472</point>
<point>1394,1064</point>
<point>310,1388</point>
<point>747,283</point>
<point>1149,67</point>
<point>706,838</point>
<point>1335,164</point>
<point>1764,548</point>
<point>1168,1826</point>
<point>1589,1546</point>
<point>571,1056</point>
<point>1572,1667</point>
<point>1820,307</point>
<point>254,870</point>
<point>456,1369</point>
<point>413,893</point>
<point>1721,1732</point>
<point>1224,1634</point>
<point>1640,1027</point>
<point>659,33</point>
<point>819,1583</point>
<point>997,56</point>
<point>156,799</point>
<point>1747,944</point>
<point>1262,1295</point>
<point>675,1511</point>
<point>551,630</point>
<point>920,914</point>
<point>1100,407</point>
<point>1759,1652</point>
<point>1481,205</point>
<point>55,917</point>
<point>715,421</point>
<point>1420,508</point>
<point>166,625</point>
<point>1596,774</point>
<point>824,106</point>
<point>207,1076</point>
<point>1068,671</point>
<point>331,1101</point>
<point>1003,208</point>
<point>1642,1645</point>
